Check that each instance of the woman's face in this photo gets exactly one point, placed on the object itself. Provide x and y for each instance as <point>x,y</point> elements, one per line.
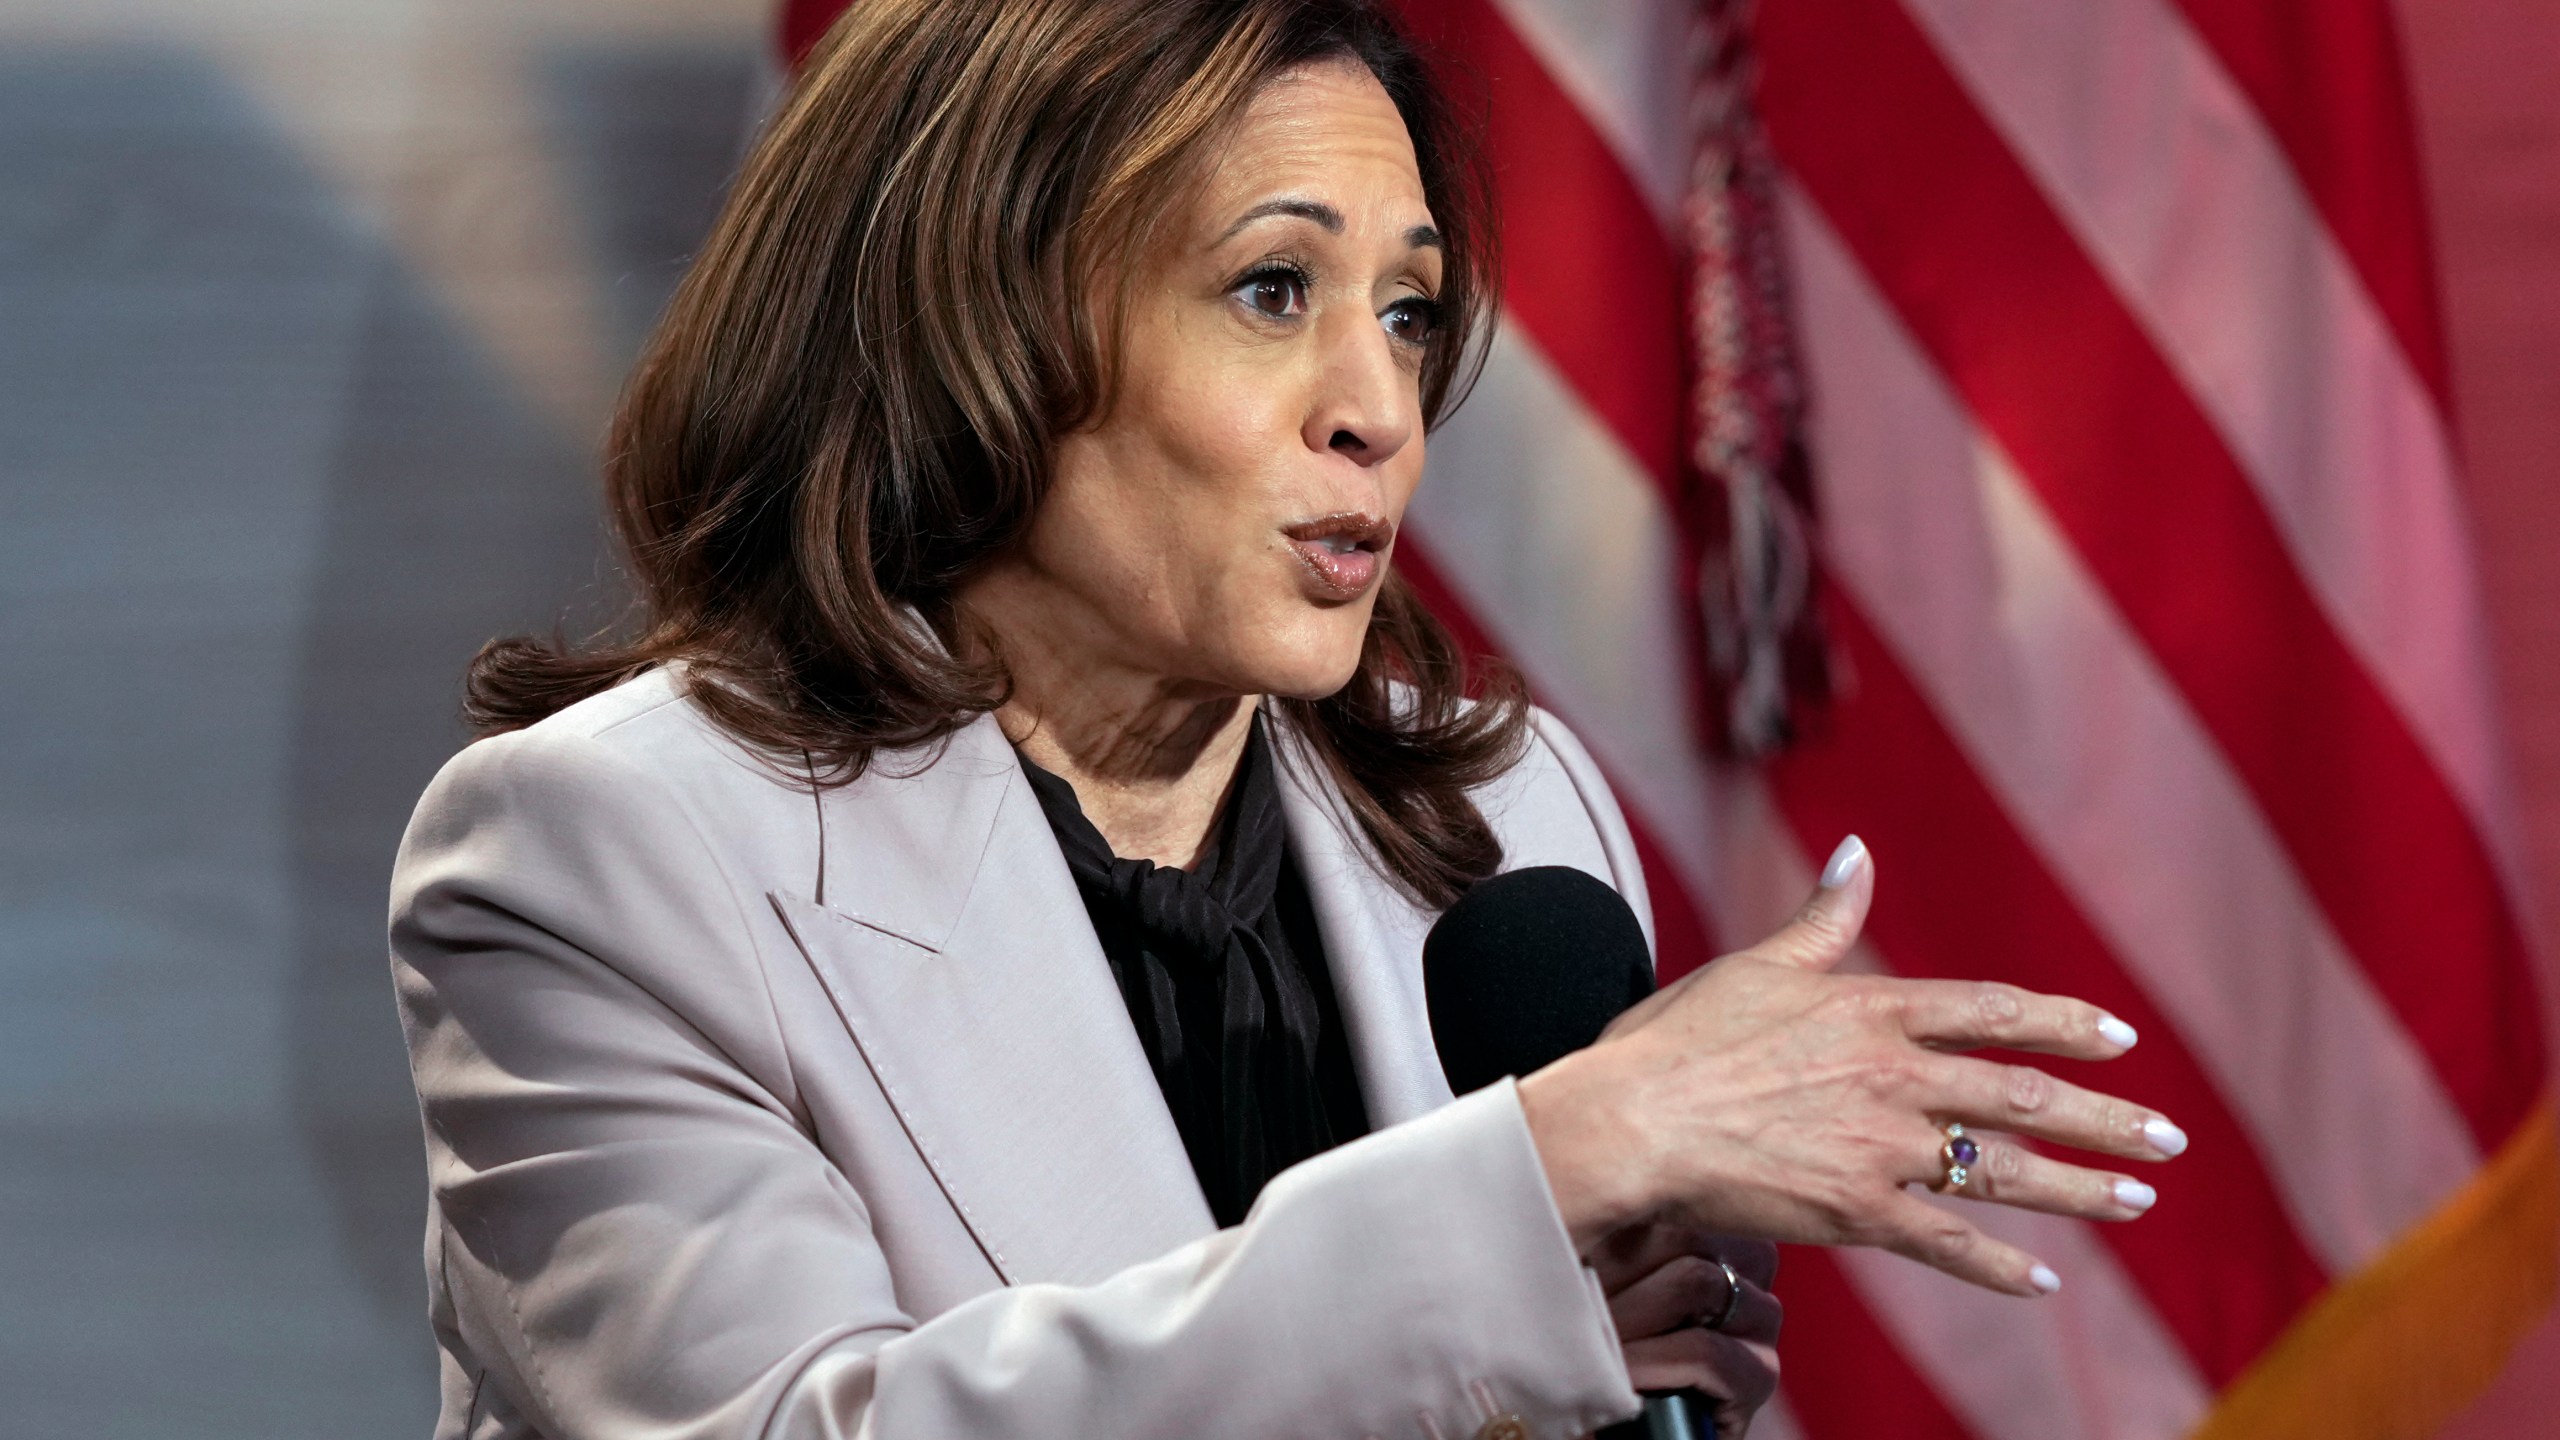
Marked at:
<point>1227,523</point>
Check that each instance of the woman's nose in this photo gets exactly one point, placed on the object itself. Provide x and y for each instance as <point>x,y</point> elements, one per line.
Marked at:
<point>1366,402</point>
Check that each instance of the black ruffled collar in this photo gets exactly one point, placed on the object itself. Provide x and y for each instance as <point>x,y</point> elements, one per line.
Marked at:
<point>1228,1016</point>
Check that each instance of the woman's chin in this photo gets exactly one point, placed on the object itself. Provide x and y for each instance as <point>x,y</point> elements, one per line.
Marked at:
<point>1309,662</point>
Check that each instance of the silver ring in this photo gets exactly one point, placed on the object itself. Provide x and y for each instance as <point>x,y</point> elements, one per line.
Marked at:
<point>1958,1155</point>
<point>1732,1297</point>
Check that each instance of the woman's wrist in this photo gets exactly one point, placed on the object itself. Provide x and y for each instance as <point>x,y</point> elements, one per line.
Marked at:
<point>1590,1150</point>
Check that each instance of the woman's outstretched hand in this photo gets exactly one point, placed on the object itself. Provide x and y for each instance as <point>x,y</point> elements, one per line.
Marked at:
<point>1765,1096</point>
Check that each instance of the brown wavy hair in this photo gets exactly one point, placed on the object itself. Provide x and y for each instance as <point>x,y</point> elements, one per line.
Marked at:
<point>850,402</point>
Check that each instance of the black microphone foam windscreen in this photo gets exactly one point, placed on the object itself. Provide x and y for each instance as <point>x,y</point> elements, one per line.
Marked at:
<point>1528,967</point>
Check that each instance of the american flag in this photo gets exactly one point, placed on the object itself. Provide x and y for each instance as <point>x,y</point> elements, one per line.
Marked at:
<point>2158,675</point>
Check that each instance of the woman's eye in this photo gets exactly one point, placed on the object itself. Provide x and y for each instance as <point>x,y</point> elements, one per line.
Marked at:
<point>1412,320</point>
<point>1275,293</point>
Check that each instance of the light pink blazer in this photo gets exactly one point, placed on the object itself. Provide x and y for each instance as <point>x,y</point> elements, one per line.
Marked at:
<point>750,1113</point>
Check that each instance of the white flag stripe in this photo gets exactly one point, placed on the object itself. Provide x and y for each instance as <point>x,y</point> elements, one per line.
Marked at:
<point>2350,458</point>
<point>1524,550</point>
<point>2091,1363</point>
<point>1561,546</point>
<point>1557,542</point>
<point>1776,1421</point>
<point>2095,755</point>
<point>2159,164</point>
<point>1627,66</point>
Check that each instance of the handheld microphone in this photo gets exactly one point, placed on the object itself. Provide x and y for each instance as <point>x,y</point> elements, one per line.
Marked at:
<point>1525,969</point>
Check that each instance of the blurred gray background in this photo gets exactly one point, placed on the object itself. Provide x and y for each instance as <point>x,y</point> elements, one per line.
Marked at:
<point>311,315</point>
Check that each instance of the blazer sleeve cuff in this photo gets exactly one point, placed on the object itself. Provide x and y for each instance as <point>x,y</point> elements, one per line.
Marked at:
<point>1411,1284</point>
<point>1516,1323</point>
<point>1415,1284</point>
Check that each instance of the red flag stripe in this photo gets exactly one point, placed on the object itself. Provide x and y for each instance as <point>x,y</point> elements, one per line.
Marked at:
<point>2095,1363</point>
<point>1929,198</point>
<point>2219,1257</point>
<point>2101,763</point>
<point>2128,1376</point>
<point>1683,938</point>
<point>1762,868</point>
<point>1606,304</point>
<point>1857,1372</point>
<point>2328,78</point>
<point>2197,1237</point>
<point>1856,1380</point>
<point>2243,1197</point>
<point>2161,168</point>
<point>803,21</point>
<point>2343,1203</point>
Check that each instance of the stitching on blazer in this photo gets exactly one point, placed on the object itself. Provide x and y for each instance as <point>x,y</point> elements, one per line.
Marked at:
<point>532,1357</point>
<point>480,1376</point>
<point>889,1087</point>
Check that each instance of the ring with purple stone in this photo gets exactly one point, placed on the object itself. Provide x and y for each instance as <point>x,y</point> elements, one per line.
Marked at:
<point>1960,1154</point>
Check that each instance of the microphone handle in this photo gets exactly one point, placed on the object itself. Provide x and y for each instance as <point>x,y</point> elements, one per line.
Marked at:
<point>1680,1415</point>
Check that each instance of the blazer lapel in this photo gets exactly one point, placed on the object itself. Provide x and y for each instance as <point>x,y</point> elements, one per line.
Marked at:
<point>959,953</point>
<point>1373,939</point>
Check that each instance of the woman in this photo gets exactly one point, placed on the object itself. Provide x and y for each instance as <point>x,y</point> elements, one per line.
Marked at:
<point>956,973</point>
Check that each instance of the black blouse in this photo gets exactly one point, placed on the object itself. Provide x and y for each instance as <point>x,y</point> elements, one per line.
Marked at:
<point>1223,971</point>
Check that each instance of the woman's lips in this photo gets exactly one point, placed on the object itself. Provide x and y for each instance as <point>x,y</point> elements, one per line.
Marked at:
<point>1344,554</point>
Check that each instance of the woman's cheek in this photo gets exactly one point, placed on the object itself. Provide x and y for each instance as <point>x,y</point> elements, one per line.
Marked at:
<point>1404,476</point>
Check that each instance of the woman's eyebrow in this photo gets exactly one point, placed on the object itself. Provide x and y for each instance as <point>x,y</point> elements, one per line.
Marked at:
<point>1419,237</point>
<point>1315,210</point>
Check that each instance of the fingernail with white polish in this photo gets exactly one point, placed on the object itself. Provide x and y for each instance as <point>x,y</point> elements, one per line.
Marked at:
<point>2166,1138</point>
<point>2116,1032</point>
<point>1845,863</point>
<point>2135,1196</point>
<point>2043,1278</point>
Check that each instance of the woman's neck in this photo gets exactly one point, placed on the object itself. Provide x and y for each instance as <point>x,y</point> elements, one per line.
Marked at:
<point>1151,758</point>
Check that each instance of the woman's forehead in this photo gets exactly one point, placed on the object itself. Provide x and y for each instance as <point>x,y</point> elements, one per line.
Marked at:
<point>1322,136</point>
